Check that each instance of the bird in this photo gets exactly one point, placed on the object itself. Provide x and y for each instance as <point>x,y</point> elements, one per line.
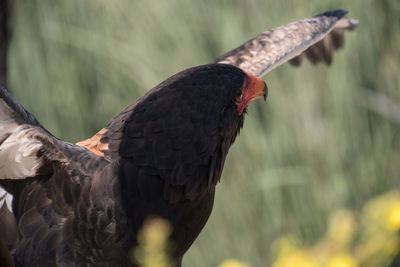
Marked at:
<point>83,204</point>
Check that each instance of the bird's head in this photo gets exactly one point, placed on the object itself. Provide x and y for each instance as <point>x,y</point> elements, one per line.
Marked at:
<point>252,88</point>
<point>217,94</point>
<point>215,89</point>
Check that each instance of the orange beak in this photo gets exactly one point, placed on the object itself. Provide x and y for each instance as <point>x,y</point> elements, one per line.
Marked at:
<point>252,89</point>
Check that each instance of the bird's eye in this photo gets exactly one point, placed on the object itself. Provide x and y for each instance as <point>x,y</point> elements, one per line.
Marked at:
<point>239,94</point>
<point>238,98</point>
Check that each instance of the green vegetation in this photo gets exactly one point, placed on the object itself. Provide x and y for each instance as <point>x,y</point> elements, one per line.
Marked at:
<point>367,238</point>
<point>327,138</point>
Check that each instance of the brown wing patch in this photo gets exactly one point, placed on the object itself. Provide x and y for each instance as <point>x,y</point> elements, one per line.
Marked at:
<point>274,47</point>
<point>94,144</point>
<point>323,50</point>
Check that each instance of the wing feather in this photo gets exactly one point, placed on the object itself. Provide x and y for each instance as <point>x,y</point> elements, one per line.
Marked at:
<point>274,47</point>
<point>49,178</point>
<point>27,149</point>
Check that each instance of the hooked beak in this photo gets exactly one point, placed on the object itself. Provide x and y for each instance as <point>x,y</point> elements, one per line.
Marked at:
<point>253,88</point>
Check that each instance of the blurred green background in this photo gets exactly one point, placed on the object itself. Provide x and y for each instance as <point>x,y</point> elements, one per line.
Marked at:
<point>327,138</point>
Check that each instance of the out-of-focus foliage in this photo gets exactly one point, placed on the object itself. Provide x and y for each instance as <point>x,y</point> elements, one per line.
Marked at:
<point>233,263</point>
<point>353,239</point>
<point>327,138</point>
<point>153,249</point>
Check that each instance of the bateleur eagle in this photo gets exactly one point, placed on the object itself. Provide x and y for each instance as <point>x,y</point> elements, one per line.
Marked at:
<point>83,204</point>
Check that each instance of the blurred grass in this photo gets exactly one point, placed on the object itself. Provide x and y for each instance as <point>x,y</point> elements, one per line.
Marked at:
<point>366,238</point>
<point>316,146</point>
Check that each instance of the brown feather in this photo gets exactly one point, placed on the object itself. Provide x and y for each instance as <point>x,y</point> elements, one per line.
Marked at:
<point>274,47</point>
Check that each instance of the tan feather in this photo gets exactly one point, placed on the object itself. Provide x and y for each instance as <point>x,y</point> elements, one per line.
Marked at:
<point>274,47</point>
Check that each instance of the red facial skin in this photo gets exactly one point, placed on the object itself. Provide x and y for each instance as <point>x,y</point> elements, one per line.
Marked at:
<point>253,88</point>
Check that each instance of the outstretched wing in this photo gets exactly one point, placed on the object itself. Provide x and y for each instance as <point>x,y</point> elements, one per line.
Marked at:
<point>316,37</point>
<point>61,192</point>
<point>29,150</point>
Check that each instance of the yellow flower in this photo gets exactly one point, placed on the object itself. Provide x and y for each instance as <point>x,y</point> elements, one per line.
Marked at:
<point>285,244</point>
<point>342,260</point>
<point>233,263</point>
<point>382,214</point>
<point>297,258</point>
<point>342,226</point>
<point>153,244</point>
<point>393,217</point>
